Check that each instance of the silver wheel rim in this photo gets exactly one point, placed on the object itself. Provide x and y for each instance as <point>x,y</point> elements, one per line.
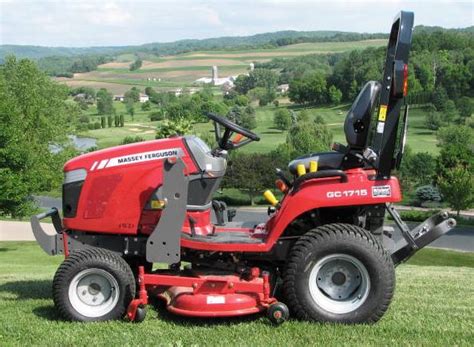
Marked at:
<point>339,283</point>
<point>93,292</point>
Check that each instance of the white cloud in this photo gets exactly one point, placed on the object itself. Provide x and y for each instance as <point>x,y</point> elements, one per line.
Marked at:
<point>120,22</point>
<point>109,13</point>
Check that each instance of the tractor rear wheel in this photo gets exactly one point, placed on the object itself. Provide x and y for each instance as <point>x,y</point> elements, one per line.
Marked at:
<point>339,273</point>
<point>93,285</point>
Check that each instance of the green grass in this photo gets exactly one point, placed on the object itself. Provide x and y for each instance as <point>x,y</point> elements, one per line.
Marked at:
<point>419,138</point>
<point>433,305</point>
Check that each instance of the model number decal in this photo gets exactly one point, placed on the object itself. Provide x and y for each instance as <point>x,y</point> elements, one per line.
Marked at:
<point>346,193</point>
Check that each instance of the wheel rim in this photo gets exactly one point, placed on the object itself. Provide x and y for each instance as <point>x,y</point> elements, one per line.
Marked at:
<point>339,283</point>
<point>94,292</point>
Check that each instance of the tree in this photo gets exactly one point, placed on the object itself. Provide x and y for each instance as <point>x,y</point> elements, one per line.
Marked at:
<point>258,78</point>
<point>334,95</point>
<point>180,126</point>
<point>307,137</point>
<point>417,169</point>
<point>263,95</point>
<point>133,94</point>
<point>137,64</point>
<point>102,122</point>
<point>456,147</point>
<point>465,106</point>
<point>250,172</point>
<point>130,106</point>
<point>121,120</point>
<point>282,119</point>
<point>32,116</point>
<point>109,121</point>
<point>455,166</point>
<point>303,116</point>
<point>104,102</point>
<point>440,98</point>
<point>309,89</point>
<point>146,106</point>
<point>243,116</point>
<point>319,119</point>
<point>457,187</point>
<point>433,120</point>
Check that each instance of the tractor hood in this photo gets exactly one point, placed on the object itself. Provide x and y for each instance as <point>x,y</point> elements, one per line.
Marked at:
<point>130,154</point>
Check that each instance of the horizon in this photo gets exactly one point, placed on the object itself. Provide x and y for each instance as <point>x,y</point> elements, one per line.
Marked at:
<point>74,24</point>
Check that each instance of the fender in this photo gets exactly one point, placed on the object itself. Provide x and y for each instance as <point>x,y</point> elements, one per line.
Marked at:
<point>361,188</point>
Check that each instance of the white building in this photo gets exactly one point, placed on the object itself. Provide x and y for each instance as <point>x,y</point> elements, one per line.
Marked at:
<point>143,98</point>
<point>283,88</point>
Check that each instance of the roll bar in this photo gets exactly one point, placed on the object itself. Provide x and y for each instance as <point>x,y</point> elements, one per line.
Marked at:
<point>392,96</point>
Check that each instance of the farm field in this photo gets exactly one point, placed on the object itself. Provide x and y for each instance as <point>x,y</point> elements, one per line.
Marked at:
<point>419,138</point>
<point>433,305</point>
<point>182,70</point>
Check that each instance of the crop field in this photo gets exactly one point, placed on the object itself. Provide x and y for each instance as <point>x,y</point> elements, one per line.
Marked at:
<point>433,306</point>
<point>182,70</point>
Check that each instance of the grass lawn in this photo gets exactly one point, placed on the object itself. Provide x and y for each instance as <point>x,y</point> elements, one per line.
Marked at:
<point>433,305</point>
<point>419,138</point>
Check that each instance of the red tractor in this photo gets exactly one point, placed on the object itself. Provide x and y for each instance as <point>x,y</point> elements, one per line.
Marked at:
<point>324,250</point>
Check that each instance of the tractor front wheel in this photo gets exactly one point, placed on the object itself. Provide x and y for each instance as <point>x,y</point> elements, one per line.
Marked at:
<point>339,273</point>
<point>93,285</point>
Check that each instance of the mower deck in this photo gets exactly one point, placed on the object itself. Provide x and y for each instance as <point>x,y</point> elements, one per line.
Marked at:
<point>203,295</point>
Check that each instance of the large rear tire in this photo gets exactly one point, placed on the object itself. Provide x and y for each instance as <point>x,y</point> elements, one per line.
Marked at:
<point>93,285</point>
<point>339,273</point>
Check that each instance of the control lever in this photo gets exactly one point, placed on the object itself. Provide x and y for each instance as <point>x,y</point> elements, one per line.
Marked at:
<point>219,208</point>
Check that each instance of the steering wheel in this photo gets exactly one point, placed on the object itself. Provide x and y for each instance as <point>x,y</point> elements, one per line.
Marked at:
<point>224,141</point>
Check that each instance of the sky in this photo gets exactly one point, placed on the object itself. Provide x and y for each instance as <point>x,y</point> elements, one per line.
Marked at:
<point>83,23</point>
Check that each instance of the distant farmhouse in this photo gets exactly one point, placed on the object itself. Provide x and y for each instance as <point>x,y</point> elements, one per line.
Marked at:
<point>220,81</point>
<point>142,98</point>
<point>283,88</point>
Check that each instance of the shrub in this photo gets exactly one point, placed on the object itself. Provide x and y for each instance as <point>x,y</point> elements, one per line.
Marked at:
<point>427,193</point>
<point>84,119</point>
<point>97,125</point>
<point>156,116</point>
<point>131,139</point>
<point>415,215</point>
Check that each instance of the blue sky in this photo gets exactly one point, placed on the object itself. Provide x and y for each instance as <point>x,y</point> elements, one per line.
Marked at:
<point>78,23</point>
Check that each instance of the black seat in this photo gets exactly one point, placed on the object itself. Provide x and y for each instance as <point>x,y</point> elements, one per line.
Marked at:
<point>356,129</point>
<point>326,161</point>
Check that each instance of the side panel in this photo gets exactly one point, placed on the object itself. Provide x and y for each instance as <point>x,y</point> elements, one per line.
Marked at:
<point>119,182</point>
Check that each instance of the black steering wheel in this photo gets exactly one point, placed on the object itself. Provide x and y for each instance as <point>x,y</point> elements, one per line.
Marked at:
<point>230,128</point>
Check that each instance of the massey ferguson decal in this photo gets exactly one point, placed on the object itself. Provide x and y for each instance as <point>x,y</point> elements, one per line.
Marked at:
<point>381,191</point>
<point>137,158</point>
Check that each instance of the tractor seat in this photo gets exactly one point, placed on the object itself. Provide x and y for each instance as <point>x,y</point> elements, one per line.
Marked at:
<point>326,161</point>
<point>356,129</point>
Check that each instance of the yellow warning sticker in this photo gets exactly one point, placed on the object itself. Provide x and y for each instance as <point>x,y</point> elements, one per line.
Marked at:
<point>383,113</point>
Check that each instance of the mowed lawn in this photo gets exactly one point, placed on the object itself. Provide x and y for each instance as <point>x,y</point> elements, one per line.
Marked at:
<point>419,138</point>
<point>433,305</point>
